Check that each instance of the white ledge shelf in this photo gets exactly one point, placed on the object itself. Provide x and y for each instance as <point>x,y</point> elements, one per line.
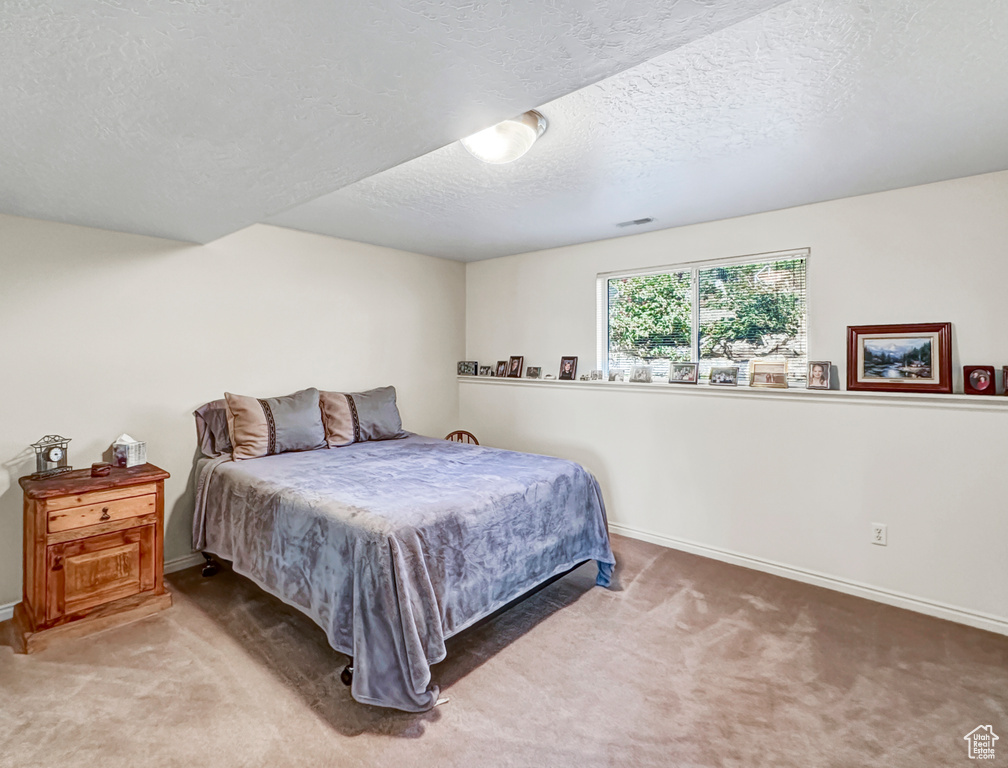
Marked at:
<point>890,399</point>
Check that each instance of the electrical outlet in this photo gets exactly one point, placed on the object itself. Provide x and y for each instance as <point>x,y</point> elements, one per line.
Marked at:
<point>878,534</point>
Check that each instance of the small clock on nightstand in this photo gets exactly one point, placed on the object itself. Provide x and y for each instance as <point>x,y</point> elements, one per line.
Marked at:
<point>50,456</point>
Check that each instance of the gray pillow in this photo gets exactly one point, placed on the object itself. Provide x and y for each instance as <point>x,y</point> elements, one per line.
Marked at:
<point>212,429</point>
<point>266,426</point>
<point>358,416</point>
<point>378,414</point>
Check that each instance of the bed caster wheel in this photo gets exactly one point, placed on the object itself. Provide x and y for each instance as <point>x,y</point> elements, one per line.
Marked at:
<point>210,567</point>
<point>346,676</point>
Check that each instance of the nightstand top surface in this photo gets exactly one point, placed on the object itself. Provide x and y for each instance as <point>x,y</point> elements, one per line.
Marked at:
<point>80,481</point>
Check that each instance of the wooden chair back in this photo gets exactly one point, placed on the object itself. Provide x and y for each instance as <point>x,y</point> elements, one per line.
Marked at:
<point>461,436</point>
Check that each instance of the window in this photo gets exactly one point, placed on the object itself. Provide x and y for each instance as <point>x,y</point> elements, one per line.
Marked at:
<point>718,313</point>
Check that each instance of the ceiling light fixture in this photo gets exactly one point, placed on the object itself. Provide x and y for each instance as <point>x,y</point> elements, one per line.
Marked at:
<point>506,141</point>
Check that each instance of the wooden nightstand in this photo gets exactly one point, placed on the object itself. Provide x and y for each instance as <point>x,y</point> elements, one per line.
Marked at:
<point>93,553</point>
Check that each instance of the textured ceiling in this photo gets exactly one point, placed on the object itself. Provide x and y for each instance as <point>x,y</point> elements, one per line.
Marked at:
<point>193,119</point>
<point>811,100</point>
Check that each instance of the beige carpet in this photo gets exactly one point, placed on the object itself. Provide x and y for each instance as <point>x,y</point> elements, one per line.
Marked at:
<point>690,662</point>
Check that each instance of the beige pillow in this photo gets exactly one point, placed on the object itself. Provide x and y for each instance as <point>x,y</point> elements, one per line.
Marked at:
<point>267,426</point>
<point>338,418</point>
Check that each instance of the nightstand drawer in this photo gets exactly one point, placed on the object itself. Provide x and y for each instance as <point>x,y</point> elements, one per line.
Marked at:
<point>96,497</point>
<point>101,512</point>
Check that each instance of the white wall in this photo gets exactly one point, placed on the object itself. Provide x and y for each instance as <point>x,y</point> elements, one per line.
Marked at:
<point>103,333</point>
<point>721,472</point>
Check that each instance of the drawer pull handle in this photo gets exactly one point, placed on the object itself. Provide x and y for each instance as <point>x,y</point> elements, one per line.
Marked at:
<point>104,514</point>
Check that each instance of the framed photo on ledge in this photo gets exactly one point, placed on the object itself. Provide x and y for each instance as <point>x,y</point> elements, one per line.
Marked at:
<point>915,357</point>
<point>640,374</point>
<point>514,369</point>
<point>568,368</point>
<point>724,376</point>
<point>765,374</point>
<point>818,374</point>
<point>502,368</point>
<point>683,373</point>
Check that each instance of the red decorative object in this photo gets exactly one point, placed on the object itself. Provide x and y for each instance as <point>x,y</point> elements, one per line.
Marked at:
<point>979,380</point>
<point>909,357</point>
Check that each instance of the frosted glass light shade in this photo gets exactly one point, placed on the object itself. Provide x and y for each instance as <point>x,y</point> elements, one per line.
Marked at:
<point>506,141</point>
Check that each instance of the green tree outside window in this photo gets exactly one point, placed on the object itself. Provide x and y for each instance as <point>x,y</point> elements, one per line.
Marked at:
<point>650,316</point>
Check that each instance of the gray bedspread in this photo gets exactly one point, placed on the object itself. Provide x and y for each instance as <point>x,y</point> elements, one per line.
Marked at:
<point>394,546</point>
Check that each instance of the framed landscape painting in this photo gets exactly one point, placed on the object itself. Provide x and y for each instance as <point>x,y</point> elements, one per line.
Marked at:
<point>900,358</point>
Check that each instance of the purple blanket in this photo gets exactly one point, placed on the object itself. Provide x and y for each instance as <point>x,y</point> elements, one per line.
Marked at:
<point>394,546</point>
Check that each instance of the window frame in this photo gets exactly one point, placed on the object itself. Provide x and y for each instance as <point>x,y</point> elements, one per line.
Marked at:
<point>694,267</point>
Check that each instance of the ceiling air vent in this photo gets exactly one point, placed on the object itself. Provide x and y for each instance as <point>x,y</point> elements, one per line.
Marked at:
<point>635,222</point>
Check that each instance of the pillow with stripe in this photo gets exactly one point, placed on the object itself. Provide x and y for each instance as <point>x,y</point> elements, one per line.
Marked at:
<point>266,426</point>
<point>354,417</point>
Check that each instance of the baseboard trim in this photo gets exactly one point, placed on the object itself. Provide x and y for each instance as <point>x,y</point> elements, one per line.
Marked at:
<point>986,621</point>
<point>181,563</point>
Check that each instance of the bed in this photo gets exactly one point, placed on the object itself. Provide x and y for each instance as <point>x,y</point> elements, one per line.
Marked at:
<point>393,546</point>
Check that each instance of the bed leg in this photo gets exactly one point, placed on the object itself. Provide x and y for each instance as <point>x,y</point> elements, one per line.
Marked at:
<point>346,676</point>
<point>210,567</point>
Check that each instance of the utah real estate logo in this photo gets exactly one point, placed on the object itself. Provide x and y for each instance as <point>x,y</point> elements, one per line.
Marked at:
<point>981,742</point>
